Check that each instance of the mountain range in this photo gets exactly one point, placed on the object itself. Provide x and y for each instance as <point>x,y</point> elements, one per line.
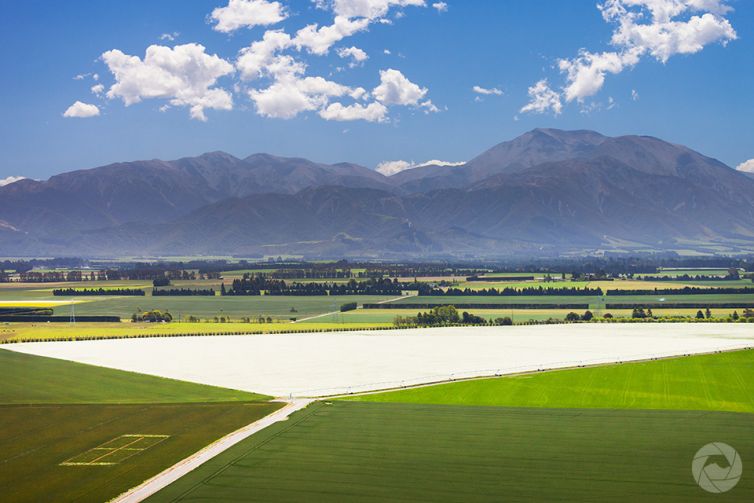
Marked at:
<point>546,192</point>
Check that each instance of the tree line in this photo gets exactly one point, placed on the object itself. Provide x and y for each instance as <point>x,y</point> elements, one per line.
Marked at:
<point>443,316</point>
<point>688,290</point>
<point>698,277</point>
<point>255,284</point>
<point>98,291</point>
<point>184,292</point>
<point>516,292</point>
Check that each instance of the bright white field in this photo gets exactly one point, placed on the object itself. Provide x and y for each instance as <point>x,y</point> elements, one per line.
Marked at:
<point>337,363</point>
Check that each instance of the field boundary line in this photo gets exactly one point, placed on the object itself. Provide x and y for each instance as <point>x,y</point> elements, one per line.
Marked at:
<point>178,470</point>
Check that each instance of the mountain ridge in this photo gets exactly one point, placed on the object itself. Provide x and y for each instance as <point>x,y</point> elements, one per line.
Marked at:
<point>547,191</point>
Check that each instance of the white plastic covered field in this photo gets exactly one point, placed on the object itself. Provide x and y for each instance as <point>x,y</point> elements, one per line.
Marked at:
<point>336,363</point>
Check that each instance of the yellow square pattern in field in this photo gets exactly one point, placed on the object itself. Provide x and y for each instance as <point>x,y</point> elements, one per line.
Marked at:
<point>116,450</point>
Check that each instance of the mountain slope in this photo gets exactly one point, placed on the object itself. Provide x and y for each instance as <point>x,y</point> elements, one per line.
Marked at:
<point>161,191</point>
<point>547,192</point>
<point>332,219</point>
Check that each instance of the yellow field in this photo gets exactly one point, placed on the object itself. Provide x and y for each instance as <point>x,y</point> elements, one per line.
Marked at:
<point>631,284</point>
<point>57,331</point>
<point>42,287</point>
<point>39,303</point>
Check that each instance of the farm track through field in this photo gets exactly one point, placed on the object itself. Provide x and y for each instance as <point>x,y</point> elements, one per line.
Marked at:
<point>334,313</point>
<point>170,475</point>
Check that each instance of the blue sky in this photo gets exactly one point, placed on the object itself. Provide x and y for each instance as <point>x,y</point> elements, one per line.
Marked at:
<point>418,100</point>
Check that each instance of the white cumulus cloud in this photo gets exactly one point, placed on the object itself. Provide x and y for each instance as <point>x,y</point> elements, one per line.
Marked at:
<point>396,89</point>
<point>247,14</point>
<point>272,71</point>
<point>440,6</point>
<point>542,98</point>
<point>170,37</point>
<point>318,40</point>
<point>675,26</point>
<point>389,168</point>
<point>81,110</point>
<point>292,95</point>
<point>373,112</point>
<point>358,56</point>
<point>645,28</point>
<point>257,60</point>
<point>493,91</point>
<point>746,167</point>
<point>586,73</point>
<point>11,179</point>
<point>185,75</point>
<point>371,9</point>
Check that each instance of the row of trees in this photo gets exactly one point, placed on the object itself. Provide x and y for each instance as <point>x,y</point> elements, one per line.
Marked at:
<point>250,284</point>
<point>78,275</point>
<point>184,292</point>
<point>687,277</point>
<point>641,314</point>
<point>256,284</point>
<point>516,292</point>
<point>154,316</point>
<point>227,319</point>
<point>687,290</point>
<point>98,291</point>
<point>443,316</point>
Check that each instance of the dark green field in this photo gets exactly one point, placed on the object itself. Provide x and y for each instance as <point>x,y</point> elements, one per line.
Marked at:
<point>437,453</point>
<point>52,411</point>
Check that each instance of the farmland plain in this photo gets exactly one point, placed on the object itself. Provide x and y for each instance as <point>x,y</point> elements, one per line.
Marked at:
<point>274,314</point>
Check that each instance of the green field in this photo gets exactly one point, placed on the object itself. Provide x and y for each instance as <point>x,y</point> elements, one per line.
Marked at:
<point>593,301</point>
<point>368,452</point>
<point>36,380</point>
<point>235,307</point>
<point>54,412</point>
<point>614,433</point>
<point>718,382</point>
